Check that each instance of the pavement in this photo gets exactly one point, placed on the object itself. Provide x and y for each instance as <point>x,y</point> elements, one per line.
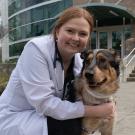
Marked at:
<point>125,123</point>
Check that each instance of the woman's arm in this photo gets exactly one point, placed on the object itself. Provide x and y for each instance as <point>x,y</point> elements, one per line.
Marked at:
<point>39,88</point>
<point>105,110</point>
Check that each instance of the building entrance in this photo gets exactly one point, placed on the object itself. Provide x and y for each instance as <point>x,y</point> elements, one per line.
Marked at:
<point>109,37</point>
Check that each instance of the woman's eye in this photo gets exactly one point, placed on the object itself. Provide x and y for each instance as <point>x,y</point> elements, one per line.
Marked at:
<point>69,31</point>
<point>83,34</point>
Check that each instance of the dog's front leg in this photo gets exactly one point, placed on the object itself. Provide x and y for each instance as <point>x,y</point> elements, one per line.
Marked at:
<point>90,125</point>
<point>107,128</point>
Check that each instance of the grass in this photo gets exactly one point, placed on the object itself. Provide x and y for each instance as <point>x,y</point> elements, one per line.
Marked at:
<point>4,77</point>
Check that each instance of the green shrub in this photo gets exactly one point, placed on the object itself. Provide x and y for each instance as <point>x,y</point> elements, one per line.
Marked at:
<point>4,77</point>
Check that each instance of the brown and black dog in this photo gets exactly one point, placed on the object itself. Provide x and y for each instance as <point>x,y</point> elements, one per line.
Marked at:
<point>96,84</point>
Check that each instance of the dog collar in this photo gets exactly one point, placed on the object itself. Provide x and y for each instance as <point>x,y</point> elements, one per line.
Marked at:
<point>87,131</point>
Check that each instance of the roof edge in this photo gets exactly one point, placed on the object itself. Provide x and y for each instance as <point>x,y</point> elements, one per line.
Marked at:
<point>108,5</point>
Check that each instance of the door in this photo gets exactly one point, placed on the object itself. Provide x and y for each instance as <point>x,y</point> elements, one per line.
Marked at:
<point>107,38</point>
<point>116,40</point>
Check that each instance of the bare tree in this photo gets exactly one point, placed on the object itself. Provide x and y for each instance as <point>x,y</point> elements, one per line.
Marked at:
<point>3,31</point>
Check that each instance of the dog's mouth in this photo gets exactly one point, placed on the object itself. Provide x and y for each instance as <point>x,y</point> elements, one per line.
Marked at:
<point>92,82</point>
<point>97,84</point>
<point>102,82</point>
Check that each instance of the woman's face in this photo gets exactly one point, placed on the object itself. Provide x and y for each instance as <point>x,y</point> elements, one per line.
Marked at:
<point>73,36</point>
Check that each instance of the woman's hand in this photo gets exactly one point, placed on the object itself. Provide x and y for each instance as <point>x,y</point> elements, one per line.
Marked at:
<point>106,110</point>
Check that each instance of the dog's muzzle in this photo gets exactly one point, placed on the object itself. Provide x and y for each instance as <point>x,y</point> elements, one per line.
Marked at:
<point>89,76</point>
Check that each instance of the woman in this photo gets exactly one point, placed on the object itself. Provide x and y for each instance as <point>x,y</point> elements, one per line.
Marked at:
<point>37,86</point>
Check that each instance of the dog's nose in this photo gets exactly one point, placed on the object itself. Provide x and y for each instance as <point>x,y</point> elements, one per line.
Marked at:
<point>89,75</point>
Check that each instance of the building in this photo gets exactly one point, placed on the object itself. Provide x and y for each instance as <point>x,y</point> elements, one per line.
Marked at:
<point>0,25</point>
<point>0,40</point>
<point>114,22</point>
<point>4,22</point>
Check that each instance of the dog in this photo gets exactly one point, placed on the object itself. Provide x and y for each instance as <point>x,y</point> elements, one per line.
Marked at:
<point>96,84</point>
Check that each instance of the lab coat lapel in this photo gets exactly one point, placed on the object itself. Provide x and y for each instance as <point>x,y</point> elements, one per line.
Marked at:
<point>59,73</point>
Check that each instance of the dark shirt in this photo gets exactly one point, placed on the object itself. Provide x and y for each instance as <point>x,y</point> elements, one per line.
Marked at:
<point>71,126</point>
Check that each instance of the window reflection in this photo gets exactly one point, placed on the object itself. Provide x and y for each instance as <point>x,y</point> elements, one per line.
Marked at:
<point>16,49</point>
<point>116,40</point>
<point>103,40</point>
<point>21,4</point>
<point>31,30</point>
<point>35,22</point>
<point>37,29</point>
<point>37,14</point>
<point>18,5</point>
<point>93,40</point>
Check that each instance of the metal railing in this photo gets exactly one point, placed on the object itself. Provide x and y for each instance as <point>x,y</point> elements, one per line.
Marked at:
<point>127,65</point>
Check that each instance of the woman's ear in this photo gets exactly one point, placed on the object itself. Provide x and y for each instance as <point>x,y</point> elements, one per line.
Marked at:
<point>57,33</point>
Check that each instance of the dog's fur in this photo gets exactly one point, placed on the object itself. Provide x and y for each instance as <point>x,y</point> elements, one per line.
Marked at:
<point>96,84</point>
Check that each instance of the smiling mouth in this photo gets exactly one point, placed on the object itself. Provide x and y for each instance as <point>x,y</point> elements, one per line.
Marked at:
<point>74,44</point>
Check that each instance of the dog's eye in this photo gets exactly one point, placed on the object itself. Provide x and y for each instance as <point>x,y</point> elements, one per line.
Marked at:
<point>87,61</point>
<point>102,63</point>
<point>102,60</point>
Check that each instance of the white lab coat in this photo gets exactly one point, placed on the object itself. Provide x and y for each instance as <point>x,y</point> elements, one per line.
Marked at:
<point>34,91</point>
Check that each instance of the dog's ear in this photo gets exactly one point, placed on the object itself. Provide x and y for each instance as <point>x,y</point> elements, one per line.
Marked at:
<point>116,54</point>
<point>112,51</point>
<point>116,63</point>
<point>84,53</point>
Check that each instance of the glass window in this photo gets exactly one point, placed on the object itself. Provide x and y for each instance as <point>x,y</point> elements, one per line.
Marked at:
<point>15,34</point>
<point>12,35</point>
<point>25,17</point>
<point>12,23</point>
<point>37,14</point>
<point>34,18</point>
<point>37,29</point>
<point>16,49</point>
<point>18,20</point>
<point>46,26</point>
<point>116,40</point>
<point>127,32</point>
<point>103,40</point>
<point>15,21</point>
<point>28,31</point>
<point>129,40</point>
<point>55,8</point>
<point>93,40</point>
<point>11,8</point>
<point>17,5</point>
<point>68,3</point>
<point>18,34</point>
<point>51,23</point>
